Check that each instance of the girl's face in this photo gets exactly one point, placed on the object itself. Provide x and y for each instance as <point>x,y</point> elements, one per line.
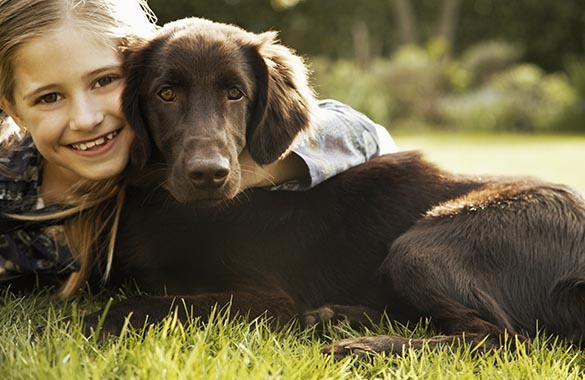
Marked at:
<point>67,94</point>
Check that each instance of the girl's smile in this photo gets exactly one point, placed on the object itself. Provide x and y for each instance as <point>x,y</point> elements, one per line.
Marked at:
<point>96,146</point>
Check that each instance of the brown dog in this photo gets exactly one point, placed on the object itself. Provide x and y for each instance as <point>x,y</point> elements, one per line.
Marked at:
<point>397,234</point>
<point>243,78</point>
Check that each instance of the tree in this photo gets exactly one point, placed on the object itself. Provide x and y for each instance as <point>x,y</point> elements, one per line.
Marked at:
<point>548,31</point>
<point>407,21</point>
<point>448,21</point>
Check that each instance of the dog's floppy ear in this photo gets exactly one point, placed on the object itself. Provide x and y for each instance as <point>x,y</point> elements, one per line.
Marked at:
<point>135,60</point>
<point>283,103</point>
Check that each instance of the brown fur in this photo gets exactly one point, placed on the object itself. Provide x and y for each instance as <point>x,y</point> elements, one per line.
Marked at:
<point>395,234</point>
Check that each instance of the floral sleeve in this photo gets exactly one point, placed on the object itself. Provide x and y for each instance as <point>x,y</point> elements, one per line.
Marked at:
<point>340,138</point>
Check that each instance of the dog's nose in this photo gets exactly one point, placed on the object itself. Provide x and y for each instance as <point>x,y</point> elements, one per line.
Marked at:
<point>208,173</point>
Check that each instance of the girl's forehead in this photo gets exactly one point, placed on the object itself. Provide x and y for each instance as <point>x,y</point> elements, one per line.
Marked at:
<point>66,35</point>
<point>63,55</point>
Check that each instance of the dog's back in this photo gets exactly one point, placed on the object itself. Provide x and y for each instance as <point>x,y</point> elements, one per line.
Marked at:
<point>513,252</point>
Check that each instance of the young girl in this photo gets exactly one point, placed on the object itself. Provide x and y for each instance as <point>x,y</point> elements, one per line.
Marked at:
<point>60,85</point>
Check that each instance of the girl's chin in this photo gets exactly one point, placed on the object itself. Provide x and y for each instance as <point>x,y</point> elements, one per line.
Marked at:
<point>101,173</point>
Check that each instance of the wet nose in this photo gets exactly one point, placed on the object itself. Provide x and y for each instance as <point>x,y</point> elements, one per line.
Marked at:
<point>208,173</point>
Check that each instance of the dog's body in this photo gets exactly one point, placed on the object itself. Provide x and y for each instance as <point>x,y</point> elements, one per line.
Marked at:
<point>479,256</point>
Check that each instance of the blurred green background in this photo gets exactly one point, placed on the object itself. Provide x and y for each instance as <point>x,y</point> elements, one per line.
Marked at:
<point>480,86</point>
<point>419,65</point>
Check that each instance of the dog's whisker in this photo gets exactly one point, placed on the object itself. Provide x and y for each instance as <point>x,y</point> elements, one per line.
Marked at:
<point>240,198</point>
<point>156,188</point>
<point>260,173</point>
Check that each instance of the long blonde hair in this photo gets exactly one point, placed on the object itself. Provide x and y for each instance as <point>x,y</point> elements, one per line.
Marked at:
<point>94,205</point>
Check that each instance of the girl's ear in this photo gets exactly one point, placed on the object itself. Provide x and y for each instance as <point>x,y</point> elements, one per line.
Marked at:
<point>8,108</point>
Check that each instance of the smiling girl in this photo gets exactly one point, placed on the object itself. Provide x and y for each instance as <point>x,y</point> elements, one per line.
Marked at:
<point>60,83</point>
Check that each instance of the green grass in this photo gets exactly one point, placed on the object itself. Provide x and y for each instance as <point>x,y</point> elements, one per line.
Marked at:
<point>556,158</point>
<point>237,349</point>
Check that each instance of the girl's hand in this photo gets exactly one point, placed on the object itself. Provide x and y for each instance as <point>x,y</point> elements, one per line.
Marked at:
<point>254,175</point>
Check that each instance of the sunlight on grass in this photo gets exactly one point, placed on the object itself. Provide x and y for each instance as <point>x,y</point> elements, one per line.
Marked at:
<point>239,349</point>
<point>558,159</point>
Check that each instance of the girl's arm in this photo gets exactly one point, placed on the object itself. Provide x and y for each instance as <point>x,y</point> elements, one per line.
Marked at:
<point>340,138</point>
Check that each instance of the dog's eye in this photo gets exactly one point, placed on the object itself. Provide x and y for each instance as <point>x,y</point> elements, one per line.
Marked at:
<point>234,93</point>
<point>167,94</point>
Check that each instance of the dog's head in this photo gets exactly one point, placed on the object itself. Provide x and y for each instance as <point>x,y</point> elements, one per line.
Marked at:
<point>200,92</point>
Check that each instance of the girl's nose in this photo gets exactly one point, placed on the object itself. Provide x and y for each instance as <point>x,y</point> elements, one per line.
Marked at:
<point>85,114</point>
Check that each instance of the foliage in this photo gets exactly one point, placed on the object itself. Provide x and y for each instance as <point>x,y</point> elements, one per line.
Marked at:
<point>522,98</point>
<point>407,86</point>
<point>325,27</point>
<point>575,69</point>
<point>486,58</point>
<point>421,85</point>
<point>573,119</point>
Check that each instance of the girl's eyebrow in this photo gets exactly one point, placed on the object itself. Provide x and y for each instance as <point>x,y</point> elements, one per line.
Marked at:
<point>101,70</point>
<point>37,91</point>
<point>88,75</point>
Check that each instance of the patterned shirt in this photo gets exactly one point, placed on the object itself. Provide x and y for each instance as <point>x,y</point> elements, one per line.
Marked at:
<point>340,138</point>
<point>28,246</point>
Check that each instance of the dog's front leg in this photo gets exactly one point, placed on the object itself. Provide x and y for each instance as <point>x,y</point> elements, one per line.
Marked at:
<point>142,311</point>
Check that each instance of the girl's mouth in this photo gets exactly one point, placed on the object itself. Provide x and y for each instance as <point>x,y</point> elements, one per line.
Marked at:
<point>95,143</point>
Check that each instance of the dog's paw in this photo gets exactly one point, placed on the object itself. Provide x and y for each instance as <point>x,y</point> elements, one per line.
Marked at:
<point>321,315</point>
<point>394,345</point>
<point>363,346</point>
<point>355,316</point>
<point>104,324</point>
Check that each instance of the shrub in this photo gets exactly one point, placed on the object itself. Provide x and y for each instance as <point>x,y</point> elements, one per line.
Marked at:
<point>419,86</point>
<point>346,82</point>
<point>523,98</point>
<point>485,59</point>
<point>409,85</point>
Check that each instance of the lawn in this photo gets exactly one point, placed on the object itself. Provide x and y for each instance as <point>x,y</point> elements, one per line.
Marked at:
<point>238,349</point>
<point>555,158</point>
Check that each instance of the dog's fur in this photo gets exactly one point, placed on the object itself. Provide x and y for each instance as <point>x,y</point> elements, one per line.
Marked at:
<point>480,256</point>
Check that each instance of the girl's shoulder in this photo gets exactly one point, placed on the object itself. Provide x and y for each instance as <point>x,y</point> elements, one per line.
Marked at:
<point>20,165</point>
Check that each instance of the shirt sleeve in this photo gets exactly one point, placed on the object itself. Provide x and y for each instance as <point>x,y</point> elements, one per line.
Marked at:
<point>340,138</point>
<point>35,250</point>
<point>28,247</point>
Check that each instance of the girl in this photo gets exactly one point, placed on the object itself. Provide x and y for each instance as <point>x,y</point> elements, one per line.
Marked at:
<point>66,142</point>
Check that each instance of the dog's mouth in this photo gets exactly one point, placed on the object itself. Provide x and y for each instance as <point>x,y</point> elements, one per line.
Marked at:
<point>186,193</point>
<point>209,202</point>
<point>200,200</point>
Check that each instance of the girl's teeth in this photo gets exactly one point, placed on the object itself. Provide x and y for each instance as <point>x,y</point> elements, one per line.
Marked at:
<point>91,144</point>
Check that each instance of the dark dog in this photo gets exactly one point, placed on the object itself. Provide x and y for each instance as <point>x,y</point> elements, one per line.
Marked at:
<point>396,234</point>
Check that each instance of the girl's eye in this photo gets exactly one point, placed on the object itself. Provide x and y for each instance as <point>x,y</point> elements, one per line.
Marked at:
<point>49,98</point>
<point>167,94</point>
<point>234,93</point>
<point>102,82</point>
